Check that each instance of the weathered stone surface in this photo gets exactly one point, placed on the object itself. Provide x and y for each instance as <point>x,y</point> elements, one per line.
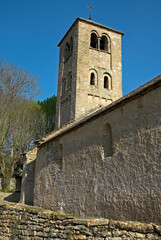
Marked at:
<point>132,226</point>
<point>79,96</point>
<point>105,162</point>
<point>65,228</point>
<point>28,177</point>
<point>125,185</point>
<point>157,228</point>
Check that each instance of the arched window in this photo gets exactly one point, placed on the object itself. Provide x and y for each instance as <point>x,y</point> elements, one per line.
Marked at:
<point>64,86</point>
<point>106,82</point>
<point>92,79</point>
<point>107,140</point>
<point>94,40</point>
<point>104,43</point>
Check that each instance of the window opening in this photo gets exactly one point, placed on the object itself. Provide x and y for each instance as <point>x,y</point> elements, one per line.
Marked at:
<point>94,41</point>
<point>106,83</point>
<point>92,79</point>
<point>104,43</point>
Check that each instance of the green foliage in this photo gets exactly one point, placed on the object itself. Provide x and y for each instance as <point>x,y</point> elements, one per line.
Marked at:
<point>49,108</point>
<point>21,118</point>
<point>10,190</point>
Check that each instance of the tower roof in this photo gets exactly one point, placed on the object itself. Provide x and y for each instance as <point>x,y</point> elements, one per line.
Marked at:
<point>92,23</point>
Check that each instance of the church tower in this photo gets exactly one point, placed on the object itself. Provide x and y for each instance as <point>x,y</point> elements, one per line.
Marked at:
<point>90,70</point>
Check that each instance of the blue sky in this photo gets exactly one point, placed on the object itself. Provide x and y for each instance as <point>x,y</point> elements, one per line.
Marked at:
<point>31,29</point>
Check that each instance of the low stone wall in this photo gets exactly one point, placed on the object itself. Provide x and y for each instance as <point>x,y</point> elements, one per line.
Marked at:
<point>23,222</point>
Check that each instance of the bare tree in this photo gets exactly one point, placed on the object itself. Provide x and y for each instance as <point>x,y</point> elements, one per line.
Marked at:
<point>21,119</point>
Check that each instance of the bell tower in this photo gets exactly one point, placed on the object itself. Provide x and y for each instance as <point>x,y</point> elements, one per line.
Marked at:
<point>90,70</point>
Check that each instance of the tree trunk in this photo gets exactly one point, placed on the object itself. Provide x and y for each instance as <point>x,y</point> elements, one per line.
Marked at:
<point>7,179</point>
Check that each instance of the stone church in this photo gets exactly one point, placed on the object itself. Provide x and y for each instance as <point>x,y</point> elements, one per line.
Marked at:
<point>104,158</point>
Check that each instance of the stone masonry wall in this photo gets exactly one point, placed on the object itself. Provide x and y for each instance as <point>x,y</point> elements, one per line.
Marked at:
<point>110,163</point>
<point>67,67</point>
<point>28,177</point>
<point>75,95</point>
<point>98,61</point>
<point>22,222</point>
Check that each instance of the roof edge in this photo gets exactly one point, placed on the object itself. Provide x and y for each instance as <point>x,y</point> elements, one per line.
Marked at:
<point>90,22</point>
<point>140,91</point>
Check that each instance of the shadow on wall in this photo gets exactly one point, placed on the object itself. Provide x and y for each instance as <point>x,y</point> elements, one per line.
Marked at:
<point>27,186</point>
<point>13,195</point>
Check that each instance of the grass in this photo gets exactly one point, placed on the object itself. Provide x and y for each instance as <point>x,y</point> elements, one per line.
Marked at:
<point>10,190</point>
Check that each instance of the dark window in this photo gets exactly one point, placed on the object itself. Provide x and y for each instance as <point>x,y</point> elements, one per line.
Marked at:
<point>92,79</point>
<point>106,83</point>
<point>94,40</point>
<point>104,43</point>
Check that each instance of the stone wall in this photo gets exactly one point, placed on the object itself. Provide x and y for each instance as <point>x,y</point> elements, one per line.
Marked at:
<point>21,222</point>
<point>28,177</point>
<point>67,72</point>
<point>75,95</point>
<point>110,163</point>
<point>99,62</point>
